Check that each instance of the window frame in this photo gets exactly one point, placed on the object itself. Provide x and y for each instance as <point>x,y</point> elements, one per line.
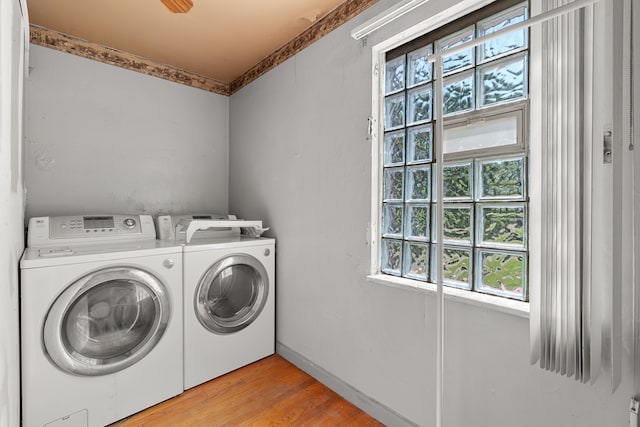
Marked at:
<point>406,40</point>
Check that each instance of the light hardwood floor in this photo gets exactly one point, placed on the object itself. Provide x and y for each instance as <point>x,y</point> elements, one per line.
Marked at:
<point>270,392</point>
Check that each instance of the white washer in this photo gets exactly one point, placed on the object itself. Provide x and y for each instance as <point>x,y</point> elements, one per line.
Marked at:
<point>101,320</point>
<point>229,296</point>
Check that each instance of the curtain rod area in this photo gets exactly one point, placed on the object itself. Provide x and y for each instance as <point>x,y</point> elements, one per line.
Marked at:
<point>542,17</point>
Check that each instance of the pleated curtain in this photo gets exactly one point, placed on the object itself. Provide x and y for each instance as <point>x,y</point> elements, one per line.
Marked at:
<point>560,307</point>
<point>572,319</point>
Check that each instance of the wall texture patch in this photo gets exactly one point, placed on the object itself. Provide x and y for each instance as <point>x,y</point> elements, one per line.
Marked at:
<point>43,161</point>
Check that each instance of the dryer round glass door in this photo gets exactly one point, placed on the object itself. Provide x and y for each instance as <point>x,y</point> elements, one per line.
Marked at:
<point>106,321</point>
<point>231,294</point>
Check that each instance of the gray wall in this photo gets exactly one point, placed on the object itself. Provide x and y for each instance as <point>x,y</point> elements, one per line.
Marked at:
<point>299,160</point>
<point>101,139</point>
<point>11,207</point>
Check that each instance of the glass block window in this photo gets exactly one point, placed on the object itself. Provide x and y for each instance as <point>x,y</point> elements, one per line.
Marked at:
<point>485,200</point>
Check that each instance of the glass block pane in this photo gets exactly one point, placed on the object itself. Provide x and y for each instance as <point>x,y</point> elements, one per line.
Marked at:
<point>495,132</point>
<point>392,220</point>
<point>394,111</point>
<point>391,256</point>
<point>457,181</point>
<point>504,80</point>
<point>418,183</point>
<point>416,261</point>
<point>416,226</point>
<point>394,75</point>
<point>456,266</point>
<point>393,183</point>
<point>457,61</point>
<point>502,225</point>
<point>508,43</point>
<point>458,93</point>
<point>501,179</point>
<point>420,71</point>
<point>458,223</point>
<point>502,273</point>
<point>394,148</point>
<point>419,105</point>
<point>420,144</point>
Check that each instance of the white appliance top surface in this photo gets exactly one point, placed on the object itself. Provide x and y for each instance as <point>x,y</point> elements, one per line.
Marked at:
<point>203,244</point>
<point>74,254</point>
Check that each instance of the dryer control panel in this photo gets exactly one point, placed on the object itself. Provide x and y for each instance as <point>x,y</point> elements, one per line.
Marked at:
<point>54,230</point>
<point>174,227</point>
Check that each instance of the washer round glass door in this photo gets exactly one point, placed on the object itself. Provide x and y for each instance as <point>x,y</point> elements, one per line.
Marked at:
<point>231,294</point>
<point>106,321</point>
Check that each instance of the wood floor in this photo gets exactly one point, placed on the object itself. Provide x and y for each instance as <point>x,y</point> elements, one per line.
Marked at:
<point>270,392</point>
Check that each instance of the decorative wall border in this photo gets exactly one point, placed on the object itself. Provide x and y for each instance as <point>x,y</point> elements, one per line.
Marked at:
<point>76,46</point>
<point>315,32</point>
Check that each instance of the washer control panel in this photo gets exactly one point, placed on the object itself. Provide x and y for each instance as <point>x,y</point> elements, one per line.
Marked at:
<point>89,228</point>
<point>75,226</point>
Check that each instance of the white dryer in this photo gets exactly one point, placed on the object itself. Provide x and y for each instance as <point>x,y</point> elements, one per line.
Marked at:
<point>229,294</point>
<point>101,320</point>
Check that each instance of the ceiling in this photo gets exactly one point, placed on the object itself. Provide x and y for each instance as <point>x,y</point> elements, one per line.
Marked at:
<point>220,40</point>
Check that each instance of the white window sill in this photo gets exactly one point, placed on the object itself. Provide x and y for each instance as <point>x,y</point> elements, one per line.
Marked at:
<point>504,305</point>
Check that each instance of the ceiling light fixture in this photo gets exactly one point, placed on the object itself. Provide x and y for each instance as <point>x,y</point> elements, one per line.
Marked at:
<point>178,6</point>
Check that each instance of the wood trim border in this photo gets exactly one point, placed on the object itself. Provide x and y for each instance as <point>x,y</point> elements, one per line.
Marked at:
<point>69,44</point>
<point>76,46</point>
<point>315,32</point>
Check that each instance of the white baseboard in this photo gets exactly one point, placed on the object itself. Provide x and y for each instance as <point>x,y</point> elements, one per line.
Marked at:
<point>377,410</point>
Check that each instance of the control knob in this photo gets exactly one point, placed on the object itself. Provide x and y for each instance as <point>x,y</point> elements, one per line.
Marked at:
<point>129,222</point>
